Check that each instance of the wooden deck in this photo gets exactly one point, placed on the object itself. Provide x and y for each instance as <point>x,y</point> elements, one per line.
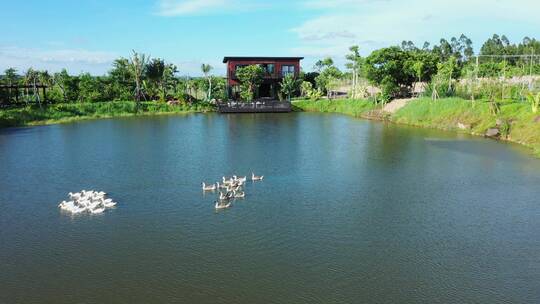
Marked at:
<point>273,106</point>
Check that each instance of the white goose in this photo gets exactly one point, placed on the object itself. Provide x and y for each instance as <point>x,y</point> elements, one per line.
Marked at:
<point>219,206</point>
<point>255,177</point>
<point>108,203</point>
<point>227,181</point>
<point>223,197</point>
<point>239,194</point>
<point>97,210</point>
<point>74,195</point>
<point>208,188</point>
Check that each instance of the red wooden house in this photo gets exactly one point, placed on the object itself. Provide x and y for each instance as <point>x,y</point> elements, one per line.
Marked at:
<point>275,69</point>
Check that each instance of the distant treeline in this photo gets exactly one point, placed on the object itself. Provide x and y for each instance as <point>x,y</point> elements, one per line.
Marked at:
<point>394,70</point>
<point>149,80</point>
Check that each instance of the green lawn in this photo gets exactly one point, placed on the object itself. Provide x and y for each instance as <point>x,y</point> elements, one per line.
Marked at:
<point>345,106</point>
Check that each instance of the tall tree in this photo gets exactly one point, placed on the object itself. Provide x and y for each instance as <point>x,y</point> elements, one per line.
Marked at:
<point>137,66</point>
<point>61,79</point>
<point>320,65</point>
<point>45,79</point>
<point>206,68</point>
<point>355,63</point>
<point>155,72</point>
<point>328,75</point>
<point>10,75</point>
<point>31,79</point>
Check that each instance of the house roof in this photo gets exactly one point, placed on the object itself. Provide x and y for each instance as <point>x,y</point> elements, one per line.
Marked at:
<point>228,58</point>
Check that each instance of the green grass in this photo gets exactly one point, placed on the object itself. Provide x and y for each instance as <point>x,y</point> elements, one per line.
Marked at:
<point>345,106</point>
<point>59,113</point>
<point>445,114</point>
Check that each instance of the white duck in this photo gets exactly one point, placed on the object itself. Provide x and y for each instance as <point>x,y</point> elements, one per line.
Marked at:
<point>227,181</point>
<point>255,177</point>
<point>240,179</point>
<point>74,195</point>
<point>219,206</point>
<point>108,203</point>
<point>239,194</point>
<point>209,187</point>
<point>97,210</point>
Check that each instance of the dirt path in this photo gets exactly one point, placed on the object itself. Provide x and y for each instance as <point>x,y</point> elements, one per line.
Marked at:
<point>396,104</point>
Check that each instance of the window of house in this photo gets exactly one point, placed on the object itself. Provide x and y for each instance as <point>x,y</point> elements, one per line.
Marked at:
<point>239,66</point>
<point>287,69</point>
<point>268,68</point>
<point>236,67</point>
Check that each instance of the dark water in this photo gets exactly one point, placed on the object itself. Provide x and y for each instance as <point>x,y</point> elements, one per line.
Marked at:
<point>350,211</point>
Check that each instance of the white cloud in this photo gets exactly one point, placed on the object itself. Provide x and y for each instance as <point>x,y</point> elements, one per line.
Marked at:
<point>77,60</point>
<point>186,7</point>
<point>377,23</point>
<point>170,8</point>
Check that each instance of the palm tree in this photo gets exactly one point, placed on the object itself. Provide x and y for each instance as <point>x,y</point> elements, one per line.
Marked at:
<point>137,66</point>
<point>31,78</point>
<point>206,68</point>
<point>155,71</point>
<point>45,79</point>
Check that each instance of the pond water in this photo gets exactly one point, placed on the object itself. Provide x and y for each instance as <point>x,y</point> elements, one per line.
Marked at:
<point>350,211</point>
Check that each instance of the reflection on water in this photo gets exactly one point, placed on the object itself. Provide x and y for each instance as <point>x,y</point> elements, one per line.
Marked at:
<point>350,211</point>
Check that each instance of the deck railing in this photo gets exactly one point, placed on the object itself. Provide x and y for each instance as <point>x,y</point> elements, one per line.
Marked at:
<point>254,107</point>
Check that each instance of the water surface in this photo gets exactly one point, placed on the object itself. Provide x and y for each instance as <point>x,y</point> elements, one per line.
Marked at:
<point>350,211</point>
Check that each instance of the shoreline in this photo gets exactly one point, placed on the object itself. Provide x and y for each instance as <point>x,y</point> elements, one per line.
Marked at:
<point>523,127</point>
<point>72,112</point>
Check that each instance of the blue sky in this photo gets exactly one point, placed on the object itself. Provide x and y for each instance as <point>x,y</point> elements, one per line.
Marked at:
<point>87,35</point>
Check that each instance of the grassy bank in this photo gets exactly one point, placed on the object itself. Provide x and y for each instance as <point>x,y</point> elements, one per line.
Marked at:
<point>343,106</point>
<point>59,113</point>
<point>517,122</point>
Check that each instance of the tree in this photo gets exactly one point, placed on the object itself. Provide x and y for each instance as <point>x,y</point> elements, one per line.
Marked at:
<point>155,71</point>
<point>324,63</point>
<point>90,89</point>
<point>31,78</point>
<point>388,68</point>
<point>250,77</point>
<point>45,79</point>
<point>442,82</point>
<point>206,68</point>
<point>121,80</point>
<point>63,81</point>
<point>137,66</point>
<point>289,85</point>
<point>10,75</point>
<point>328,74</point>
<point>355,64</point>
<point>305,88</point>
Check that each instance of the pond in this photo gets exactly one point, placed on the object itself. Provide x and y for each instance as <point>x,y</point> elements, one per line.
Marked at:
<point>349,211</point>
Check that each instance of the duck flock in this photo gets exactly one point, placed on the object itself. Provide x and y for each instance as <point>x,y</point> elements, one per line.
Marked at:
<point>93,202</point>
<point>234,188</point>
